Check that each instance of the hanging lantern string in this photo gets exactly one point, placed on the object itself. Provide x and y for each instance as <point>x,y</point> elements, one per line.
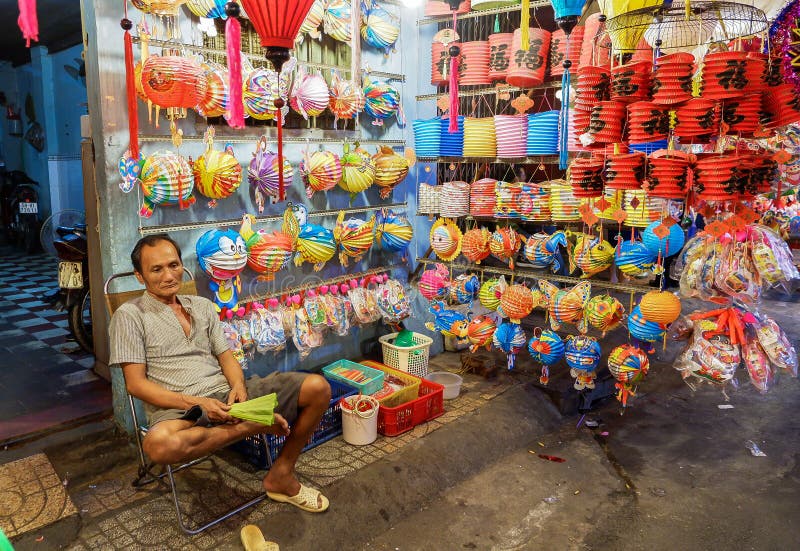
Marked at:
<point>29,23</point>
<point>130,86</point>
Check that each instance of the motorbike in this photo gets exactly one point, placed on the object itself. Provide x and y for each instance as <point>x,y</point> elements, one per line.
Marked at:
<point>73,282</point>
<point>20,209</point>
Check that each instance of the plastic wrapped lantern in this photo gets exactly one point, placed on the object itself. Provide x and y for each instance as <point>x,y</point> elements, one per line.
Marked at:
<point>267,253</point>
<point>390,169</point>
<point>382,101</point>
<point>222,254</point>
<point>379,28</point>
<point>445,239</point>
<point>310,94</point>
<point>510,338</point>
<point>582,354</point>
<point>490,292</point>
<point>358,170</point>
<point>668,245</point>
<point>660,307</point>
<point>263,174</point>
<point>346,98</point>
<point>464,289</point>
<point>643,330</point>
<point>475,244</point>
<point>505,244</point>
<point>480,332</point>
<point>604,312</point>
<point>628,365</point>
<point>167,180</point>
<point>320,171</point>
<point>546,348</point>
<point>354,237</point>
<point>393,231</point>
<point>567,306</point>
<point>516,303</point>
<point>217,174</point>
<point>634,259</point>
<point>435,282</point>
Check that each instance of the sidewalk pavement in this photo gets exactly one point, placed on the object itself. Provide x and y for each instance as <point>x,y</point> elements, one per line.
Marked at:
<point>672,472</point>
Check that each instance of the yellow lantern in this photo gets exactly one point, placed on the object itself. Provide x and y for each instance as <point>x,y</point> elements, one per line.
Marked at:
<point>660,307</point>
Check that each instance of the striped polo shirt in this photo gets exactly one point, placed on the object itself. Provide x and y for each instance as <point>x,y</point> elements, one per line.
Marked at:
<point>147,331</point>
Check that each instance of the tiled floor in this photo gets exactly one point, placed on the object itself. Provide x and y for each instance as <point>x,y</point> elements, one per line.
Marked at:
<point>45,379</point>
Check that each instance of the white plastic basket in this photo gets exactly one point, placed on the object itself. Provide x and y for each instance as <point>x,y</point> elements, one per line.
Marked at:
<point>413,359</point>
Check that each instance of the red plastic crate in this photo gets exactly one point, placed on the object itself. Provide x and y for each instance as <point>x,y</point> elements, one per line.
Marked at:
<point>429,405</point>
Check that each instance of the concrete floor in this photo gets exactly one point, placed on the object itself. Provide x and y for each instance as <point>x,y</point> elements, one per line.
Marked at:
<point>673,472</point>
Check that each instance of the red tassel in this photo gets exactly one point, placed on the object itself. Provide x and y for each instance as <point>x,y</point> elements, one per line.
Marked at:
<point>27,21</point>
<point>453,128</point>
<point>279,118</point>
<point>133,106</point>
<point>233,43</point>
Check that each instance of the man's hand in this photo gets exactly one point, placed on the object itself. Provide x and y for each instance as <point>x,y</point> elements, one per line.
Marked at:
<point>237,394</point>
<point>216,411</point>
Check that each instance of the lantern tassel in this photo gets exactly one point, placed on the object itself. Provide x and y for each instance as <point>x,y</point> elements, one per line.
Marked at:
<point>524,25</point>
<point>133,106</point>
<point>279,119</point>
<point>233,44</point>
<point>563,154</point>
<point>453,128</point>
<point>27,21</point>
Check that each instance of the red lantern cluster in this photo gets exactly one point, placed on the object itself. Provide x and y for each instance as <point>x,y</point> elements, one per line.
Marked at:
<point>625,170</point>
<point>672,78</point>
<point>631,82</point>
<point>647,122</point>
<point>586,177</point>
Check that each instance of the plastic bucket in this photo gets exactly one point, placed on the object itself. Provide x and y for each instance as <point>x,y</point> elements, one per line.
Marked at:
<point>359,419</point>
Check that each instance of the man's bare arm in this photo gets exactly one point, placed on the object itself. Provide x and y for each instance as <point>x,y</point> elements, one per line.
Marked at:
<point>235,376</point>
<point>139,386</point>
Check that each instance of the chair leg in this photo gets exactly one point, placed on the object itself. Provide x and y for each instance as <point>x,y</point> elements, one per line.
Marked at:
<point>193,531</point>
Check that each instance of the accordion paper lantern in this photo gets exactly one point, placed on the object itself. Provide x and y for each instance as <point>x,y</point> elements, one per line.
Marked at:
<point>464,289</point>
<point>628,365</point>
<point>210,9</point>
<point>480,332</point>
<point>382,101</point>
<point>660,306</point>
<point>337,20</point>
<point>167,180</point>
<point>215,101</point>
<point>516,303</point>
<point>313,21</point>
<point>547,349</point>
<point>505,245</point>
<point>346,98</point>
<point>310,94</point>
<point>320,171</point>
<point>582,355</point>
<point>390,169</point>
<point>393,231</point>
<point>642,329</point>
<point>591,254</point>
<point>528,67</point>
<point>510,338</point>
<point>221,254</point>
<point>379,28</point>
<point>358,170</point>
<point>164,8</point>
<point>315,245</point>
<point>434,283</point>
<point>267,253</point>
<point>263,174</point>
<point>445,239</point>
<point>217,174</point>
<point>261,88</point>
<point>490,292</point>
<point>542,250</point>
<point>666,246</point>
<point>604,313</point>
<point>354,237</point>
<point>634,259</point>
<point>567,306</point>
<point>475,244</point>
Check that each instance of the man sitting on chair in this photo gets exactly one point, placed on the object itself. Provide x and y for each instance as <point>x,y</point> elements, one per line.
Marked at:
<point>176,360</point>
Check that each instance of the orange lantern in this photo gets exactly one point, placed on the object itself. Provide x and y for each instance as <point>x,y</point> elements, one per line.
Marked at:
<point>516,303</point>
<point>475,244</point>
<point>660,307</point>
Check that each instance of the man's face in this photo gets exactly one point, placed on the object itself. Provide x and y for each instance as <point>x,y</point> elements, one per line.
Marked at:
<point>162,270</point>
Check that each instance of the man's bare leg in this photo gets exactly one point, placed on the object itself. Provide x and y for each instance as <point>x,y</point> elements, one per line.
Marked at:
<point>179,440</point>
<point>314,399</point>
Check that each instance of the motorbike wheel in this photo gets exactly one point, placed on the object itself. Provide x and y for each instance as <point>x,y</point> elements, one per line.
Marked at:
<point>80,322</point>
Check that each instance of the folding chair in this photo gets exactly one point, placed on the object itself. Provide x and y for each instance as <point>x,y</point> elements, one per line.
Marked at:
<point>146,467</point>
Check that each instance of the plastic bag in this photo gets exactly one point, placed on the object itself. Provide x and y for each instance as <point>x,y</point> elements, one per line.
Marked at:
<point>315,310</point>
<point>735,277</point>
<point>777,346</point>
<point>393,302</point>
<point>757,364</point>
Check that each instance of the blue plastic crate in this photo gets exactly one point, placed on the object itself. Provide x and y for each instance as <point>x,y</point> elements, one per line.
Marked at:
<point>255,448</point>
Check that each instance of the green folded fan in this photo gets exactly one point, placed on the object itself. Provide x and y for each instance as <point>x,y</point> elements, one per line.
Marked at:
<point>260,410</point>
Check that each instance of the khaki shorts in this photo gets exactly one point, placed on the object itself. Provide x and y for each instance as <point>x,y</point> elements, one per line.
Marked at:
<point>285,385</point>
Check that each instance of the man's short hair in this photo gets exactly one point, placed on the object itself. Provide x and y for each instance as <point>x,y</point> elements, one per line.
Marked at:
<point>150,241</point>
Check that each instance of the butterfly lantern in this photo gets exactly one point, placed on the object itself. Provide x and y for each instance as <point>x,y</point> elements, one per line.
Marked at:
<point>222,255</point>
<point>547,348</point>
<point>510,338</point>
<point>567,306</point>
<point>628,365</point>
<point>582,354</point>
<point>490,292</point>
<point>480,332</point>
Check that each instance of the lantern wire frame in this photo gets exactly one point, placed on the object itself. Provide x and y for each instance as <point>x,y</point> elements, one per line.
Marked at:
<point>686,25</point>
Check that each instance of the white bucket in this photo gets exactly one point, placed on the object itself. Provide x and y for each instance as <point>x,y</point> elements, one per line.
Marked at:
<point>359,419</point>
